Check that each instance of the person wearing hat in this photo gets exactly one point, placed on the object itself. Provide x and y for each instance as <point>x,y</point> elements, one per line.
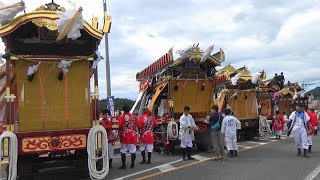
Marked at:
<point>229,127</point>
<point>128,133</point>
<point>299,128</point>
<point>186,133</point>
<point>146,125</point>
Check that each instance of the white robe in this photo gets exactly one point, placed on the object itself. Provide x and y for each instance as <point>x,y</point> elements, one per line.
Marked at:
<point>186,134</point>
<point>299,131</point>
<point>229,127</point>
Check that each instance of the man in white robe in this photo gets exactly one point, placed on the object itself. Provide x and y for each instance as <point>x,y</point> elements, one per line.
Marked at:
<point>229,127</point>
<point>186,133</point>
<point>299,127</point>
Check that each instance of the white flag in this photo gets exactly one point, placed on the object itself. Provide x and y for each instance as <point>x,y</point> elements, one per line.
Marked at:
<point>206,54</point>
<point>66,18</point>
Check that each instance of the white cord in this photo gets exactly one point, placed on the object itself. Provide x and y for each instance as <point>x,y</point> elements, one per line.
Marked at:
<point>92,147</point>
<point>170,134</point>
<point>13,153</point>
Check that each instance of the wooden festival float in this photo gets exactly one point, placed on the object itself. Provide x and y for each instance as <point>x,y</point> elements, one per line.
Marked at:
<point>46,100</point>
<point>169,84</point>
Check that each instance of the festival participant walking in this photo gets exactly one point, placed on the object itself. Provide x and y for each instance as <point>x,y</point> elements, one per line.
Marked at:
<point>312,126</point>
<point>215,121</point>
<point>186,133</point>
<point>146,125</point>
<point>299,127</point>
<point>278,123</point>
<point>230,124</point>
<point>128,132</point>
<point>106,123</point>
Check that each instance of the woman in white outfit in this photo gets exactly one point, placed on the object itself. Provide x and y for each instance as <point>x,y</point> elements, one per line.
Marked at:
<point>230,124</point>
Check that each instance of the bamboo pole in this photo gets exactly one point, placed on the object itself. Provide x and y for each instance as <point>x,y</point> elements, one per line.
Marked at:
<point>67,28</point>
<point>10,6</point>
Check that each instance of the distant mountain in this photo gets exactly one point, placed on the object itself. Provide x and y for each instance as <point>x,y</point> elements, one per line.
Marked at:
<point>315,92</point>
<point>118,103</point>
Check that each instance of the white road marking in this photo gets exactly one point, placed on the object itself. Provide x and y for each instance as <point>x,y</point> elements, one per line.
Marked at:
<point>245,147</point>
<point>200,158</point>
<point>253,142</point>
<point>150,169</point>
<point>313,174</point>
<point>165,167</point>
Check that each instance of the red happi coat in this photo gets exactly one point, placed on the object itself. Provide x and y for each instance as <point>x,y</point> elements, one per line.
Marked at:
<point>278,122</point>
<point>146,125</point>
<point>313,118</point>
<point>106,123</point>
<point>313,122</point>
<point>128,129</point>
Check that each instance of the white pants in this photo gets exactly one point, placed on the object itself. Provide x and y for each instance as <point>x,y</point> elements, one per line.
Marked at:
<point>309,140</point>
<point>147,147</point>
<point>278,132</point>
<point>110,150</point>
<point>300,138</point>
<point>125,147</point>
<point>231,141</point>
<point>186,142</point>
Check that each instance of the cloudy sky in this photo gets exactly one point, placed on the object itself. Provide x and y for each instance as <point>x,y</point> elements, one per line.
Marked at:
<point>272,35</point>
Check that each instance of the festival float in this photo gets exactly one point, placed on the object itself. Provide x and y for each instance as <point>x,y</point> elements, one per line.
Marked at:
<point>49,112</point>
<point>169,84</point>
<point>254,100</point>
<point>236,88</point>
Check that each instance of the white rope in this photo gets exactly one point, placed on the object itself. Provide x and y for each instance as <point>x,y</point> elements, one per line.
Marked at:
<point>170,134</point>
<point>13,153</point>
<point>92,147</point>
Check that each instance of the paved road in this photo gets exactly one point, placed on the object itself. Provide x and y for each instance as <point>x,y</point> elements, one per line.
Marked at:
<point>263,159</point>
<point>274,160</point>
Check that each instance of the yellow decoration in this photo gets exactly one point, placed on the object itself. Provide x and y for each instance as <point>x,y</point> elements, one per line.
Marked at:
<point>48,19</point>
<point>107,23</point>
<point>95,22</point>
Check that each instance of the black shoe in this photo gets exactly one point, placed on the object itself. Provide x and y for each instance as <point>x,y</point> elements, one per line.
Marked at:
<point>123,159</point>
<point>133,158</point>
<point>299,152</point>
<point>143,154</point>
<point>305,153</point>
<point>231,153</point>
<point>110,163</point>
<point>235,153</point>
<point>149,158</point>
<point>184,154</point>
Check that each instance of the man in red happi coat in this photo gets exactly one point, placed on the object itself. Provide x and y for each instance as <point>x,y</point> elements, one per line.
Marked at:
<point>128,132</point>
<point>107,124</point>
<point>313,124</point>
<point>146,124</point>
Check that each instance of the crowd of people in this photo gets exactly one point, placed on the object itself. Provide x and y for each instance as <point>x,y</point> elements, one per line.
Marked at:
<point>302,124</point>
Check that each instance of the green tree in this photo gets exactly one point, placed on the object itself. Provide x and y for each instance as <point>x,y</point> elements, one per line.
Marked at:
<point>118,104</point>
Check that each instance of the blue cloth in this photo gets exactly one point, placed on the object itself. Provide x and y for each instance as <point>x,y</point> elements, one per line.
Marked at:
<point>300,115</point>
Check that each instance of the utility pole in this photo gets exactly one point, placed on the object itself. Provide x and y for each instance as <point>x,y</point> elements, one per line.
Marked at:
<point>106,39</point>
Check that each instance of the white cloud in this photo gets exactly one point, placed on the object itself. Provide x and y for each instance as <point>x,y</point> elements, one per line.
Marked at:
<point>272,35</point>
